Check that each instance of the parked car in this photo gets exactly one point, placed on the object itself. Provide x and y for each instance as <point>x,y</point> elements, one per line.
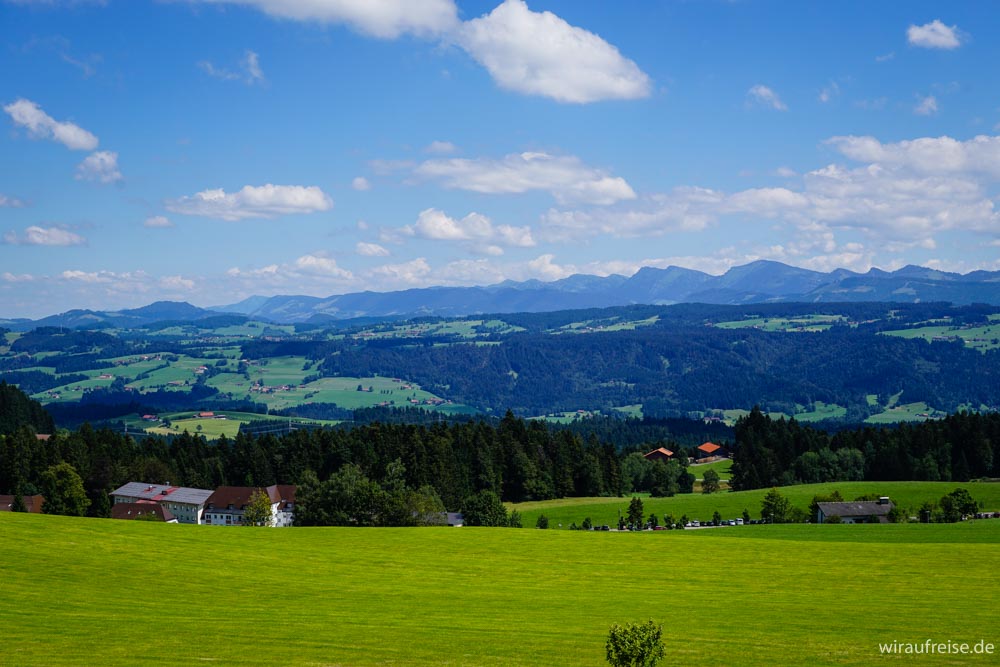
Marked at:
<point>739,522</point>
<point>696,524</point>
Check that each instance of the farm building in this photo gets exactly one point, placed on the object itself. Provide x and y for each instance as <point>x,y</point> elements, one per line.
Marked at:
<point>710,449</point>
<point>32,503</point>
<point>186,504</point>
<point>876,511</point>
<point>659,454</point>
<point>225,506</point>
<point>134,511</point>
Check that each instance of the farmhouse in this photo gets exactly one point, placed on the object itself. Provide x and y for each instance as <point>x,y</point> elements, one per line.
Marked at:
<point>186,504</point>
<point>660,454</point>
<point>32,503</point>
<point>134,511</point>
<point>710,449</point>
<point>856,512</point>
<point>225,506</point>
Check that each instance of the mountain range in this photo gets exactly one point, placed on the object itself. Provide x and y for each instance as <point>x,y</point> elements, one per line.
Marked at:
<point>758,282</point>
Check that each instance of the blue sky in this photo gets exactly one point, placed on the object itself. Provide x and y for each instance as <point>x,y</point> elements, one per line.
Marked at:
<point>208,150</point>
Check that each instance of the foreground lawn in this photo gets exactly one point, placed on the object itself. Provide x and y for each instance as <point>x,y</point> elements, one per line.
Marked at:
<point>100,592</point>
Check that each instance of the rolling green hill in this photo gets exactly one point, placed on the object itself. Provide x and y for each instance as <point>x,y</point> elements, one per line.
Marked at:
<point>88,591</point>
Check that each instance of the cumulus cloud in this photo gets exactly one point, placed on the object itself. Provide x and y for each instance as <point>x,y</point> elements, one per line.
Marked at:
<point>321,265</point>
<point>157,222</point>
<point>371,250</point>
<point>413,273</point>
<point>926,155</point>
<point>360,183</point>
<point>40,125</point>
<point>901,192</point>
<point>763,96</point>
<point>265,201</point>
<point>934,35</point>
<point>565,177</point>
<point>49,236</point>
<point>101,167</point>
<point>385,19</point>
<point>249,72</point>
<point>10,202</point>
<point>926,106</point>
<point>476,231</point>
<point>538,53</point>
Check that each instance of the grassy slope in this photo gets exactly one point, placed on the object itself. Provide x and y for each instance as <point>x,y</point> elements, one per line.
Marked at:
<point>731,505</point>
<point>81,591</point>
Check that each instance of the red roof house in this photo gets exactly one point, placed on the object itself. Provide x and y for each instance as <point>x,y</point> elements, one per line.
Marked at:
<point>659,454</point>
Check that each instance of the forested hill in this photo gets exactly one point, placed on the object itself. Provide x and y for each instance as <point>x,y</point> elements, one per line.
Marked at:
<point>670,370</point>
<point>17,410</point>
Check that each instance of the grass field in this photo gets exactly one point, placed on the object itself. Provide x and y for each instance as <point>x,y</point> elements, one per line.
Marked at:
<point>980,338</point>
<point>907,412</point>
<point>100,592</point>
<point>721,467</point>
<point>806,323</point>
<point>731,504</point>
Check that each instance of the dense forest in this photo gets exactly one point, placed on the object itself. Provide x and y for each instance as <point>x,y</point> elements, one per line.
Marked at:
<point>777,452</point>
<point>677,369</point>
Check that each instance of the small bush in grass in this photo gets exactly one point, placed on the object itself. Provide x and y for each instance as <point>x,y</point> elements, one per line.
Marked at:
<point>635,644</point>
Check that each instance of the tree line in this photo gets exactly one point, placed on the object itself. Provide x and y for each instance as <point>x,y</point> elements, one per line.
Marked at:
<point>779,452</point>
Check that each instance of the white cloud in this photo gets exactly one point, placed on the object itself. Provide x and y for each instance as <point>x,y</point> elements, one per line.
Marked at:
<point>785,172</point>
<point>565,177</point>
<point>9,277</point>
<point>371,250</point>
<point>441,147</point>
<point>101,166</point>
<point>265,201</point>
<point>176,283</point>
<point>685,209</point>
<point>829,92</point>
<point>48,236</point>
<point>538,53</point>
<point>157,222</point>
<point>386,19</point>
<point>321,265</point>
<point>251,65</point>
<point>250,70</point>
<point>904,192</point>
<point>360,183</point>
<point>40,125</point>
<point>10,202</point>
<point>764,96</point>
<point>885,57</point>
<point>926,155</point>
<point>926,106</point>
<point>934,35</point>
<point>476,231</point>
<point>407,274</point>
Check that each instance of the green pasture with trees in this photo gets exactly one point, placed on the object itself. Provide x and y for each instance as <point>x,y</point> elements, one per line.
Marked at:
<point>89,591</point>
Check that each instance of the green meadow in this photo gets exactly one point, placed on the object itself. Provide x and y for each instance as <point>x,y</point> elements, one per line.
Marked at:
<point>730,505</point>
<point>102,592</point>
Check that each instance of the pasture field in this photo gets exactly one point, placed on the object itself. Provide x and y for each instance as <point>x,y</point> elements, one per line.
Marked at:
<point>722,467</point>
<point>731,504</point>
<point>980,338</point>
<point>906,412</point>
<point>807,323</point>
<point>91,591</point>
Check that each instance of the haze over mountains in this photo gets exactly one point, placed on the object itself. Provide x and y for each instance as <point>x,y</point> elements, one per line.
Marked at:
<point>757,282</point>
